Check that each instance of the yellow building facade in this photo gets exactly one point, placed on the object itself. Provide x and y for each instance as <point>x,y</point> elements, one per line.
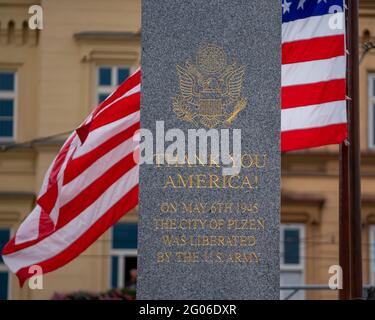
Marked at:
<point>50,79</point>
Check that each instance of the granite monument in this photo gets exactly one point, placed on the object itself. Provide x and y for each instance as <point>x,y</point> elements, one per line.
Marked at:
<point>210,176</point>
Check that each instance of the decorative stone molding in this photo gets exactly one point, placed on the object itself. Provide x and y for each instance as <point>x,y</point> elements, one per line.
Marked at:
<point>14,206</point>
<point>17,33</point>
<point>303,208</point>
<point>107,35</point>
<point>103,46</point>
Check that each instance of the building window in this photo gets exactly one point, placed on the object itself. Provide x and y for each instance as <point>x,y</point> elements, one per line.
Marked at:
<point>124,255</point>
<point>108,79</point>
<point>7,105</point>
<point>4,273</point>
<point>372,254</point>
<point>292,259</point>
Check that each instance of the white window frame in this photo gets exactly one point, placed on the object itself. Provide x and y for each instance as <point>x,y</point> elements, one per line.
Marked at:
<point>371,106</point>
<point>301,266</point>
<point>372,254</point>
<point>11,95</point>
<point>121,254</point>
<point>100,89</point>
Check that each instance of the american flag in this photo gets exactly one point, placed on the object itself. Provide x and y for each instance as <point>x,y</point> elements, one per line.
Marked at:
<point>313,110</point>
<point>93,181</point>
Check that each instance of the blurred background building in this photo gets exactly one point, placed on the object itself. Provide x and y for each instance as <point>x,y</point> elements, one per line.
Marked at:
<point>52,78</point>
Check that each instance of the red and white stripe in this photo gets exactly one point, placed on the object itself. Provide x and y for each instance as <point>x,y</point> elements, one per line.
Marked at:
<point>313,111</point>
<point>91,183</point>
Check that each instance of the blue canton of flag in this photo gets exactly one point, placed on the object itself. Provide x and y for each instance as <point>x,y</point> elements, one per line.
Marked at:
<point>301,9</point>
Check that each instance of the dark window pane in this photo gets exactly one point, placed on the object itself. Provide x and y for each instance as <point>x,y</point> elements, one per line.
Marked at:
<point>105,76</point>
<point>291,247</point>
<point>114,272</point>
<point>7,81</point>
<point>4,238</point>
<point>6,128</point>
<point>373,123</point>
<point>102,97</point>
<point>122,74</point>
<point>3,285</point>
<point>373,87</point>
<point>125,236</point>
<point>130,279</point>
<point>6,107</point>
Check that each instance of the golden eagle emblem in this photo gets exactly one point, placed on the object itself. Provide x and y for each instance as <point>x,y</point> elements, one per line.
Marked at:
<point>210,90</point>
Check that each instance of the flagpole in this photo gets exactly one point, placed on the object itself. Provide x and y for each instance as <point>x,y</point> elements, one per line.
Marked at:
<point>344,226</point>
<point>350,184</point>
<point>354,153</point>
<point>344,196</point>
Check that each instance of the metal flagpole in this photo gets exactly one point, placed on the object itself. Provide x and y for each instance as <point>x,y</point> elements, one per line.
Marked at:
<point>344,227</point>
<point>350,250</point>
<point>354,154</point>
<point>344,214</point>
